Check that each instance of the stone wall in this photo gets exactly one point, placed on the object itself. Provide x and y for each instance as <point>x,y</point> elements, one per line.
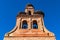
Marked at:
<point>29,38</point>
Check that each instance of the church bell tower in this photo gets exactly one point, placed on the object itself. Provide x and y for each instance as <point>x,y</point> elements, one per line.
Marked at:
<point>30,26</point>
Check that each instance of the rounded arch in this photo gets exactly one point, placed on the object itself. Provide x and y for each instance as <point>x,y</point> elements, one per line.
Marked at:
<point>24,24</point>
<point>35,25</point>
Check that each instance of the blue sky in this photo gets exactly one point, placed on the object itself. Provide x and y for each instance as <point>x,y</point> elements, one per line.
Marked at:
<point>10,8</point>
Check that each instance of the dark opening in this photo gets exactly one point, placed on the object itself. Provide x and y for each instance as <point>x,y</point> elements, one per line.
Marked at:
<point>29,12</point>
<point>24,25</point>
<point>35,26</point>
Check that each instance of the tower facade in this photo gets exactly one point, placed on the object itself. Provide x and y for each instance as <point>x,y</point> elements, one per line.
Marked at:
<point>29,26</point>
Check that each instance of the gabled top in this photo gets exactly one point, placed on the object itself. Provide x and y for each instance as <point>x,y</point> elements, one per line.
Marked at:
<point>29,10</point>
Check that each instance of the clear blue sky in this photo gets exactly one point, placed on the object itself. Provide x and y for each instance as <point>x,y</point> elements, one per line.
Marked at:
<point>10,8</point>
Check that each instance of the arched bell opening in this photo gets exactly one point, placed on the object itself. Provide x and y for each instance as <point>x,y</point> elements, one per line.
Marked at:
<point>35,25</point>
<point>24,24</point>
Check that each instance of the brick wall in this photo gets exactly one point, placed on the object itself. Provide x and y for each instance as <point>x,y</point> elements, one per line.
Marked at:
<point>29,38</point>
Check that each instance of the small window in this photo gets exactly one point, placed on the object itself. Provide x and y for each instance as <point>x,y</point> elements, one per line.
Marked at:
<point>35,26</point>
<point>29,12</point>
<point>24,25</point>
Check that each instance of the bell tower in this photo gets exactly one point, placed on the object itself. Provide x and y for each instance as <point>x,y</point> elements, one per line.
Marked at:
<point>30,26</point>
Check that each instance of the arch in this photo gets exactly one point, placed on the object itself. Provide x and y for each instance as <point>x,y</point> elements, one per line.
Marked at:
<point>24,24</point>
<point>35,25</point>
<point>29,12</point>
